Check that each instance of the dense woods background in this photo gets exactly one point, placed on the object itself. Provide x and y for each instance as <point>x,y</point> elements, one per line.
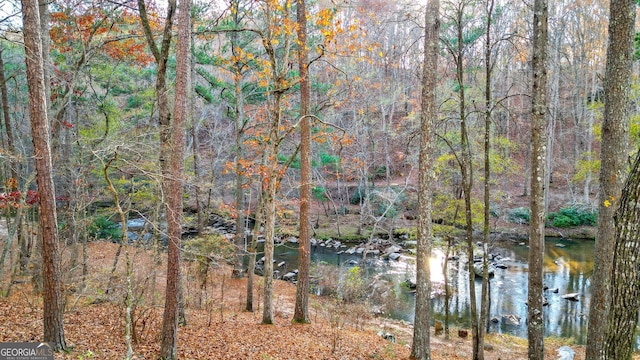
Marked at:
<point>307,123</point>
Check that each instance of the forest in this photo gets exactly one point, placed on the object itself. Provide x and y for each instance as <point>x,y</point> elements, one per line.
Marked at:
<point>320,179</point>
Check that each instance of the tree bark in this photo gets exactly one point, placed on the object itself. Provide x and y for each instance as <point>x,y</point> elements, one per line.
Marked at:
<point>52,298</point>
<point>251,267</point>
<point>535,321</point>
<point>619,339</point>
<point>421,349</point>
<point>173,188</point>
<point>466,170</point>
<point>301,313</point>
<point>612,176</point>
<point>270,182</point>
<point>238,268</point>
<point>485,300</point>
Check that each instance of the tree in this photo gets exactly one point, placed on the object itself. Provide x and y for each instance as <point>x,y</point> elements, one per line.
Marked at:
<point>613,238</point>
<point>301,313</point>
<point>619,338</point>
<point>535,321</point>
<point>173,187</point>
<point>47,221</point>
<point>238,67</point>
<point>485,300</point>
<point>421,349</point>
<point>4,100</point>
<point>277,41</point>
<point>457,47</point>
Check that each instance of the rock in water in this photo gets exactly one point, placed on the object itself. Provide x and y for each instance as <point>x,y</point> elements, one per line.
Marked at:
<point>511,320</point>
<point>478,270</point>
<point>289,276</point>
<point>410,284</point>
<point>571,296</point>
<point>565,353</point>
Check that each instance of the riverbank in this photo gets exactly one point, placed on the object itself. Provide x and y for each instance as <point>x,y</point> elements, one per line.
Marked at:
<point>217,325</point>
<point>501,230</point>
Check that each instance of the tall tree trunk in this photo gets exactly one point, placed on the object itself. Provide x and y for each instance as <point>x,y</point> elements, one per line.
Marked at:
<point>466,170</point>
<point>238,268</point>
<point>196,141</point>
<point>4,97</point>
<point>52,298</point>
<point>485,301</point>
<point>25,247</point>
<point>613,164</point>
<point>128,263</point>
<point>535,321</point>
<point>301,313</point>
<point>278,62</point>
<point>173,184</point>
<point>421,349</point>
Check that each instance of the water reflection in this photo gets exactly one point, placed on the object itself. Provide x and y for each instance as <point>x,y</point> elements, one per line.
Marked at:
<point>568,266</point>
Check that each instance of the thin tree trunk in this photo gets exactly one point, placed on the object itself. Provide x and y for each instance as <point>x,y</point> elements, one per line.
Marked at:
<point>466,169</point>
<point>4,97</point>
<point>252,253</point>
<point>613,159</point>
<point>421,349</point>
<point>535,321</point>
<point>173,185</point>
<point>485,303</point>
<point>128,264</point>
<point>269,233</point>
<point>52,298</point>
<point>238,269</point>
<point>301,313</point>
<point>25,248</point>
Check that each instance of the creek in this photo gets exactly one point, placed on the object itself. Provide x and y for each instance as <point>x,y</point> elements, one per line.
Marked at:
<point>568,265</point>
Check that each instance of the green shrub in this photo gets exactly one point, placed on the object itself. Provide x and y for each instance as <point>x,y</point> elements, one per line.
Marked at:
<point>352,286</point>
<point>521,215</point>
<point>103,228</point>
<point>327,159</point>
<point>358,196</point>
<point>319,193</point>
<point>210,248</point>
<point>571,216</point>
<point>391,213</point>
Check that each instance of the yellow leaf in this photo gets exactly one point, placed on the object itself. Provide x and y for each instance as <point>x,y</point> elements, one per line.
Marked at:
<point>381,54</point>
<point>607,203</point>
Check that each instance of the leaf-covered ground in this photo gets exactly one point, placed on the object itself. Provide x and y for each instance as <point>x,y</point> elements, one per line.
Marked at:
<point>218,327</point>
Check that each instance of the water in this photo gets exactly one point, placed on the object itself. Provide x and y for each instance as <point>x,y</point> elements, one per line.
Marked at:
<point>568,265</point>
